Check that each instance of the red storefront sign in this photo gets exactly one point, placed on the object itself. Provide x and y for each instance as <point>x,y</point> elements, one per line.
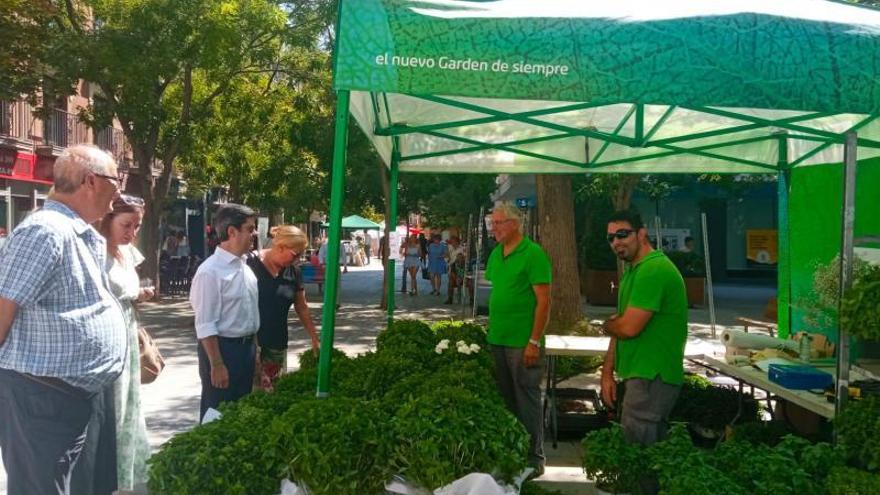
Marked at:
<point>25,166</point>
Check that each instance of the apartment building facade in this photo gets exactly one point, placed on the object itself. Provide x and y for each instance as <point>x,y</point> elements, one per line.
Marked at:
<point>30,141</point>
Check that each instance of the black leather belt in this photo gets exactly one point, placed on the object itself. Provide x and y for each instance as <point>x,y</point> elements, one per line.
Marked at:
<point>247,339</point>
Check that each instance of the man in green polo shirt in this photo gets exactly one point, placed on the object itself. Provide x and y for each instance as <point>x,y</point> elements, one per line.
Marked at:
<point>648,333</point>
<point>519,307</point>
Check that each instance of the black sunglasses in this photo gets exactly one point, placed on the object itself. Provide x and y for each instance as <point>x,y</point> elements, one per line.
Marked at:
<point>620,234</point>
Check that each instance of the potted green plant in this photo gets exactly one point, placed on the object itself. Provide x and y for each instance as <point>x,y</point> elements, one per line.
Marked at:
<point>615,464</point>
<point>693,269</point>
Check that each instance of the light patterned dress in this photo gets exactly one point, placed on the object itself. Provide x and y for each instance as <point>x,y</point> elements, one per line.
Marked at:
<point>132,446</point>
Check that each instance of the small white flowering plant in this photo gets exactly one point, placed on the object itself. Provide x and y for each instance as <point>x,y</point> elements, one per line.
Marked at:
<point>461,347</point>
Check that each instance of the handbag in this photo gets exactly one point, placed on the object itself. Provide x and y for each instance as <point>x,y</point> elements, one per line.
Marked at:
<point>152,362</point>
<point>425,273</point>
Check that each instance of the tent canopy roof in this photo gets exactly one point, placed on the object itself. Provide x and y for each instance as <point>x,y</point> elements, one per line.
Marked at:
<point>357,222</point>
<point>557,86</point>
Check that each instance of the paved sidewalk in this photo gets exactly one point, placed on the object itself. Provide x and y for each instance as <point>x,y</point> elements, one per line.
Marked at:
<point>171,403</point>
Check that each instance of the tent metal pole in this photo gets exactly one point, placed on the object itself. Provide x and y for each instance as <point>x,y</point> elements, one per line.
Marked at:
<point>467,262</point>
<point>710,287</point>
<point>480,221</point>
<point>658,232</point>
<point>783,258</point>
<point>393,179</point>
<point>331,276</point>
<point>850,155</point>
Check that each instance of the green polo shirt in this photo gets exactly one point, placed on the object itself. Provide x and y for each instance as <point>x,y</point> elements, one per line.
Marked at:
<point>654,284</point>
<point>512,301</point>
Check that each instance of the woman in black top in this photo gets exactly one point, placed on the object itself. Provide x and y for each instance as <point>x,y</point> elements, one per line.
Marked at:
<point>280,286</point>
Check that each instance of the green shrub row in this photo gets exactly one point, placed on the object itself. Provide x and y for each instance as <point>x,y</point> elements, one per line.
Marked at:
<point>411,408</point>
<point>790,466</point>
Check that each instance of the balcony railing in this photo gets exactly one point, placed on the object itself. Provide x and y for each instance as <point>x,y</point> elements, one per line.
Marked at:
<point>113,141</point>
<point>16,119</point>
<point>64,129</point>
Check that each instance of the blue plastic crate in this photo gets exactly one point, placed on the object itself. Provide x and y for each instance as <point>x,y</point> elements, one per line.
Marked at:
<point>799,377</point>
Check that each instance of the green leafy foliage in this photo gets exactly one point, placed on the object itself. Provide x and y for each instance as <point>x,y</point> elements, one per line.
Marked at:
<point>794,466</point>
<point>860,306</point>
<point>689,264</point>
<point>443,417</point>
<point>569,366</point>
<point>851,481</point>
<point>373,374</point>
<point>858,428</point>
<point>309,360</point>
<point>685,470</point>
<point>334,446</point>
<point>228,456</point>
<point>448,432</point>
<point>761,432</point>
<point>712,406</point>
<point>469,376</point>
<point>615,464</point>
<point>821,306</point>
<point>412,339</point>
<point>764,470</point>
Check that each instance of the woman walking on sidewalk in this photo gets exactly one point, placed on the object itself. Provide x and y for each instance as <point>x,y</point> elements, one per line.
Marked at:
<point>412,255</point>
<point>120,228</point>
<point>437,263</point>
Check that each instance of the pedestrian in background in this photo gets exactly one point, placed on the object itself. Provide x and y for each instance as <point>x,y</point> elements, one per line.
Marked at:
<point>437,266</point>
<point>62,337</point>
<point>412,255</point>
<point>224,297</point>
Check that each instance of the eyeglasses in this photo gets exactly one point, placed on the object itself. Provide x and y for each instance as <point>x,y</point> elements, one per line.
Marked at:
<point>620,234</point>
<point>111,178</point>
<point>496,223</point>
<point>131,200</point>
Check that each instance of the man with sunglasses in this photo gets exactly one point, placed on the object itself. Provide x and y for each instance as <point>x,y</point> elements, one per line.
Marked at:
<point>224,297</point>
<point>648,333</point>
<point>62,337</point>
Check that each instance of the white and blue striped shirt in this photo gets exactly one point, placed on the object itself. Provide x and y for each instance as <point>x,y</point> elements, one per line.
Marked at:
<point>68,324</point>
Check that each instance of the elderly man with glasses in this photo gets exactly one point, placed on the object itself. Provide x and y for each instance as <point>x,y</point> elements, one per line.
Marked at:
<point>519,308</point>
<point>648,333</point>
<point>62,337</point>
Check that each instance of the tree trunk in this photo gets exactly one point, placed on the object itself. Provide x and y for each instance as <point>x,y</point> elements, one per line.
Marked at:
<point>621,200</point>
<point>556,223</point>
<point>624,191</point>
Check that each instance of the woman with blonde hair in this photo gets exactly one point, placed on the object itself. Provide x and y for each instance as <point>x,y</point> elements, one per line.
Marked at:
<point>280,286</point>
<point>120,227</point>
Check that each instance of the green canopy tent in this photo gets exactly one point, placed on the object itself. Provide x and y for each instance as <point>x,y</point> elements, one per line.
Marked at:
<point>633,86</point>
<point>357,222</point>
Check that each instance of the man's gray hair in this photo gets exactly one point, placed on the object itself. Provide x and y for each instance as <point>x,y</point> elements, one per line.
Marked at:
<point>509,210</point>
<point>76,161</point>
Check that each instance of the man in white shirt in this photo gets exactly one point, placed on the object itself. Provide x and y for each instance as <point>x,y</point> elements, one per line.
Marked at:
<point>225,301</point>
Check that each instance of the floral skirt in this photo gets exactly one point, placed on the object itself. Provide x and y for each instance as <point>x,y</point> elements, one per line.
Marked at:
<point>273,364</point>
